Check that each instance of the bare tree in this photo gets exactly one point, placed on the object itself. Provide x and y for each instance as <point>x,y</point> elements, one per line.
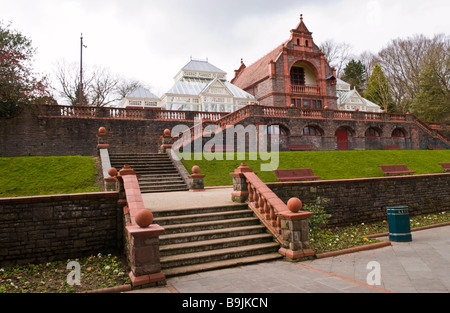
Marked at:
<point>124,87</point>
<point>337,54</point>
<point>402,62</point>
<point>100,86</point>
<point>102,90</point>
<point>68,78</point>
<point>369,60</point>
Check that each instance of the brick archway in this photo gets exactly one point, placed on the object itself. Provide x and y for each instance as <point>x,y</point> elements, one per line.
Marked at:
<point>308,63</point>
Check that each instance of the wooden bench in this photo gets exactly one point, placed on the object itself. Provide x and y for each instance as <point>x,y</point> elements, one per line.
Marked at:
<point>222,148</point>
<point>395,169</point>
<point>445,166</point>
<point>435,147</point>
<point>300,147</point>
<point>295,174</point>
<point>391,147</point>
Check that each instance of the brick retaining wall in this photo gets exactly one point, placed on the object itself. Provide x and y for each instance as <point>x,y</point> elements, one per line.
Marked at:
<point>355,201</point>
<point>65,130</point>
<point>57,227</point>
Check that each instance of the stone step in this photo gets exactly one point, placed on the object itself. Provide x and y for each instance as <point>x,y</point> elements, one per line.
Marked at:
<point>158,176</point>
<point>143,165</point>
<point>196,258</point>
<point>191,269</point>
<point>202,210</point>
<point>181,237</point>
<point>126,155</point>
<point>143,190</point>
<point>161,186</point>
<point>209,225</point>
<point>213,244</point>
<point>157,172</point>
<point>203,217</point>
<point>154,170</point>
<point>161,180</point>
<point>151,176</point>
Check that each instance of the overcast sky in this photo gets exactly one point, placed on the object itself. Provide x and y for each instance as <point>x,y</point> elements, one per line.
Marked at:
<point>152,40</point>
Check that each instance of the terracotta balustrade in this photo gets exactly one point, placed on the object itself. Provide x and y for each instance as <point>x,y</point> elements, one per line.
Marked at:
<point>305,89</point>
<point>143,235</point>
<point>287,223</point>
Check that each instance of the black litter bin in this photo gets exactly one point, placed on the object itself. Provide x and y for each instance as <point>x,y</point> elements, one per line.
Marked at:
<point>399,224</point>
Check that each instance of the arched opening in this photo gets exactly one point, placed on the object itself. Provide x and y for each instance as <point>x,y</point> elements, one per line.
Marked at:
<point>373,138</point>
<point>280,131</point>
<point>277,130</point>
<point>303,76</point>
<point>343,134</point>
<point>311,130</point>
<point>373,132</point>
<point>398,133</point>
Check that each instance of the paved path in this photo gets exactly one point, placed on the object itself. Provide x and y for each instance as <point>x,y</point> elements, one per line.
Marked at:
<point>187,199</point>
<point>419,266</point>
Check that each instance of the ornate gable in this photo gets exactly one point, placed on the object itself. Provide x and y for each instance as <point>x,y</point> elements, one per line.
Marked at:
<point>301,28</point>
<point>217,88</point>
<point>301,37</point>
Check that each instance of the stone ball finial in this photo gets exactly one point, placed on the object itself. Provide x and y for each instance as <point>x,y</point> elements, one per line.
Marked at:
<point>167,132</point>
<point>294,205</point>
<point>144,218</point>
<point>112,172</point>
<point>326,108</point>
<point>102,130</point>
<point>195,169</point>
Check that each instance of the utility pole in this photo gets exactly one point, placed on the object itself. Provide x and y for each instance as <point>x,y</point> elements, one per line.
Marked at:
<point>81,70</point>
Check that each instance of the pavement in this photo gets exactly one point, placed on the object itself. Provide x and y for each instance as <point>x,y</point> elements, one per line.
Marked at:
<point>419,266</point>
<point>160,201</point>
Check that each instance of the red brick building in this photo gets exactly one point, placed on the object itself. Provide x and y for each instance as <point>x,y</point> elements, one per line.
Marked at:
<point>295,73</point>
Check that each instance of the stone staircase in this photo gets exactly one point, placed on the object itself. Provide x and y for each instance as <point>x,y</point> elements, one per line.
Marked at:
<point>157,172</point>
<point>203,239</point>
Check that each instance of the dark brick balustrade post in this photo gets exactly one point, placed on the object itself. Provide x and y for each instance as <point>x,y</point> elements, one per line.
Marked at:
<point>101,138</point>
<point>240,186</point>
<point>295,231</point>
<point>165,142</point>
<point>197,180</point>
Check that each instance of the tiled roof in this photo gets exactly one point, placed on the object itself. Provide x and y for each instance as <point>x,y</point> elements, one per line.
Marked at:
<point>258,70</point>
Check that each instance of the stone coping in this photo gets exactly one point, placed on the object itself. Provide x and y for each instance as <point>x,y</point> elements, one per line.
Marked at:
<point>363,179</point>
<point>60,197</point>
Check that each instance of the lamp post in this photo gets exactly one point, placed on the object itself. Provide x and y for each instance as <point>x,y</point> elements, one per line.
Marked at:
<point>81,69</point>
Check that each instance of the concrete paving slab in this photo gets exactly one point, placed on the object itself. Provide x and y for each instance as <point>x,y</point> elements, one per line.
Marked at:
<point>160,201</point>
<point>404,267</point>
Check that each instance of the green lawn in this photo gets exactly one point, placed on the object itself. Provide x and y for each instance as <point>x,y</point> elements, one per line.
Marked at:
<point>31,176</point>
<point>327,164</point>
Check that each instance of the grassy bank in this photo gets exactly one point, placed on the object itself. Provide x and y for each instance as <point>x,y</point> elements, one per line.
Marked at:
<point>32,176</point>
<point>327,164</point>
